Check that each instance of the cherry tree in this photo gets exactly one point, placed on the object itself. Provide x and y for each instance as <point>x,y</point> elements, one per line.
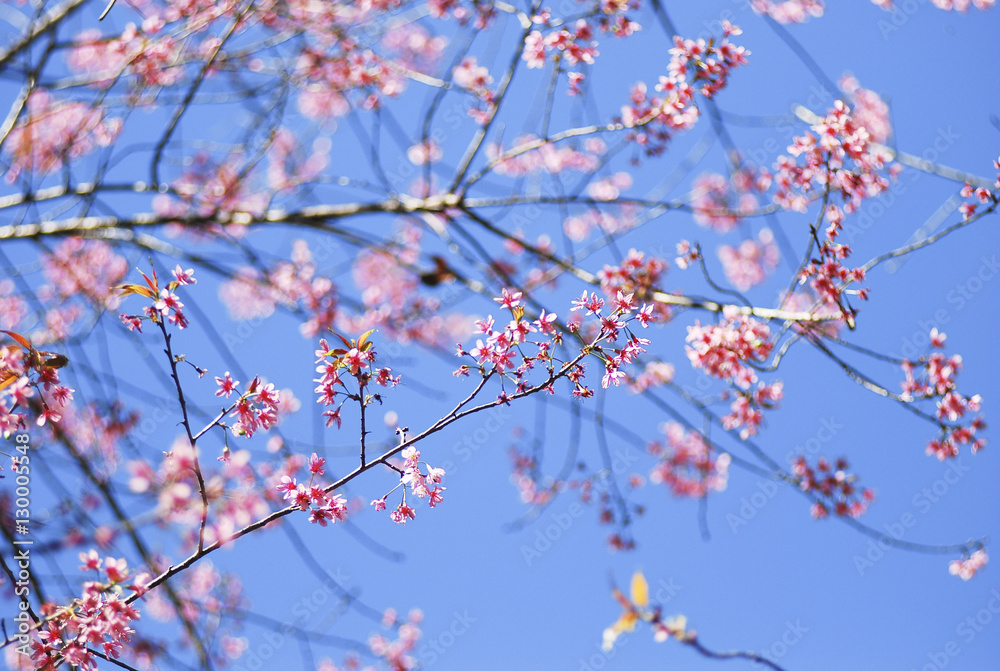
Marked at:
<point>295,286</point>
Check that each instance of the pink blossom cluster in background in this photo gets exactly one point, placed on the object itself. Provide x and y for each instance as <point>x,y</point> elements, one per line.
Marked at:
<point>686,464</point>
<point>834,486</point>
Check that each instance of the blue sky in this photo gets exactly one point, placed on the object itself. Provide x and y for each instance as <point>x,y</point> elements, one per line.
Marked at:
<point>810,594</point>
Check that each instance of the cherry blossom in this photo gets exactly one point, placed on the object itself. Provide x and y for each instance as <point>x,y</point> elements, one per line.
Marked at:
<point>967,568</point>
<point>686,464</point>
<point>725,350</point>
<point>789,11</point>
<point>749,264</point>
<point>418,175</point>
<point>658,118</point>
<point>834,486</point>
<point>55,131</point>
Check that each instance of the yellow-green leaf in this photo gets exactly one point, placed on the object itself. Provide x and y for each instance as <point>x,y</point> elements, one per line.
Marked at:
<point>639,590</point>
<point>8,378</point>
<point>363,343</point>
<point>129,289</point>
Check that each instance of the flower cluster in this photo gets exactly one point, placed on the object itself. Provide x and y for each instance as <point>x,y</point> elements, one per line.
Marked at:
<point>27,374</point>
<point>100,618</point>
<point>79,268</point>
<point>524,476</point>
<point>398,654</point>
<point>727,351</point>
<point>720,204</point>
<point>625,310</point>
<point>215,188</point>
<point>934,377</point>
<point>414,47</point>
<point>152,58</point>
<point>518,162</point>
<point>967,567</point>
<point>709,63</point>
<point>327,74</point>
<point>293,284</point>
<point>834,485</point>
<point>694,66</point>
<point>686,464</point>
<point>687,254</point>
<point>232,491</point>
<point>978,196</point>
<point>579,227</point>
<point>798,11</point>
<point>724,350</point>
<point>476,79</point>
<point>789,11</point>
<point>962,5</point>
<point>575,45</point>
<point>165,303</point>
<point>656,373</point>
<point>637,275</point>
<point>98,431</point>
<point>828,276</point>
<point>837,158</point>
<point>256,408</point>
<point>502,347</point>
<point>54,132</point>
<point>422,485</point>
<point>356,358</point>
<point>869,109</point>
<point>323,507</point>
<point>745,410</point>
<point>749,264</point>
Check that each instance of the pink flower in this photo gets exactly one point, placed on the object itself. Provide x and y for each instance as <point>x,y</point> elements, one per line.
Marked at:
<point>967,568</point>
<point>472,76</point>
<point>590,302</point>
<point>402,513</point>
<point>508,299</point>
<point>332,417</point>
<point>133,322</point>
<point>749,264</point>
<point>54,131</point>
<point>612,376</point>
<point>721,350</point>
<point>91,561</point>
<point>316,464</point>
<point>686,464</point>
<point>116,569</point>
<point>184,276</point>
<point>226,385</point>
